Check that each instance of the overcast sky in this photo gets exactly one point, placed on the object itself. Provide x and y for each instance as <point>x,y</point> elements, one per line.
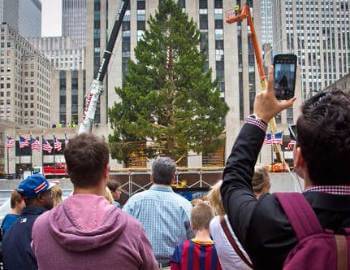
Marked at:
<point>51,18</point>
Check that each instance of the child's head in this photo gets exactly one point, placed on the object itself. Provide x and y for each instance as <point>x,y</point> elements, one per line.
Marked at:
<point>17,202</point>
<point>56,193</point>
<point>215,201</point>
<point>201,215</point>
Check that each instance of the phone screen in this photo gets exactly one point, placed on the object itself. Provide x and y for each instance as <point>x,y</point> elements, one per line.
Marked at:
<point>285,71</point>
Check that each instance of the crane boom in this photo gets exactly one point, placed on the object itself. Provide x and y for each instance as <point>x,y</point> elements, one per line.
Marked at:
<point>245,14</point>
<point>96,87</point>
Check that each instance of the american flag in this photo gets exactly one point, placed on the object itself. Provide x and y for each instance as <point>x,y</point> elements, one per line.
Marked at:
<point>291,144</point>
<point>35,143</point>
<point>23,142</point>
<point>47,146</point>
<point>268,138</point>
<point>57,144</point>
<point>10,142</point>
<point>277,138</point>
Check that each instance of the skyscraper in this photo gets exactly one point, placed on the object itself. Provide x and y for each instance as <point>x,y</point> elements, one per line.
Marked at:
<point>318,32</point>
<point>23,16</point>
<point>74,21</point>
<point>266,33</point>
<point>25,81</point>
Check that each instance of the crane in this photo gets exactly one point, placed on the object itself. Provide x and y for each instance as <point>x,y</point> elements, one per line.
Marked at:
<point>238,15</point>
<point>96,87</point>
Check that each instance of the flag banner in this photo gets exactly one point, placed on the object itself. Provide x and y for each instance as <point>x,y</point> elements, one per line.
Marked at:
<point>35,144</point>
<point>23,142</point>
<point>277,138</point>
<point>57,144</point>
<point>47,146</point>
<point>268,138</point>
<point>10,142</point>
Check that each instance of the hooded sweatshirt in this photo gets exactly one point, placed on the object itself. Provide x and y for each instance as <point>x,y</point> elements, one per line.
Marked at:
<point>86,232</point>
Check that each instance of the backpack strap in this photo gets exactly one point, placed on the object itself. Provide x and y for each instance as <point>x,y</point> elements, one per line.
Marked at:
<point>233,242</point>
<point>300,214</point>
<point>342,252</point>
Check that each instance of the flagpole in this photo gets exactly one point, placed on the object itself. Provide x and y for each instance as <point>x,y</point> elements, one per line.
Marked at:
<point>8,157</point>
<point>20,153</point>
<point>54,152</point>
<point>42,153</point>
<point>31,153</point>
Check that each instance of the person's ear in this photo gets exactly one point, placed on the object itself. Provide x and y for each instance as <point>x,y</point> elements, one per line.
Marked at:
<point>299,163</point>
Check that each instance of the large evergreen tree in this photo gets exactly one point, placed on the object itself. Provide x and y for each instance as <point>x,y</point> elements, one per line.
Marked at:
<point>169,103</point>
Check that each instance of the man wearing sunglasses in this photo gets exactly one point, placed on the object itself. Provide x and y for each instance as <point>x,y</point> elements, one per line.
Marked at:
<point>321,158</point>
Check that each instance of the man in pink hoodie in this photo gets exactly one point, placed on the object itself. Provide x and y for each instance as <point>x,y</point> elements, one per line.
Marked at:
<point>85,231</point>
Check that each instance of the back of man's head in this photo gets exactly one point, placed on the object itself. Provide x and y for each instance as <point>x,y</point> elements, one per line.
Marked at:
<point>87,157</point>
<point>201,215</point>
<point>163,170</point>
<point>324,137</point>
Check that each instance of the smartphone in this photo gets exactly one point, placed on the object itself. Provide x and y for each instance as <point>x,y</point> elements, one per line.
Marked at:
<point>285,67</point>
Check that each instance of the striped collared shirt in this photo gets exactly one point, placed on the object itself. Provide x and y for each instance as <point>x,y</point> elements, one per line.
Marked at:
<point>165,217</point>
<point>331,189</point>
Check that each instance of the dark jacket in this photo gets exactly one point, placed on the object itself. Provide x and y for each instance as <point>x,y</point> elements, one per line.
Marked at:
<point>261,225</point>
<point>16,245</point>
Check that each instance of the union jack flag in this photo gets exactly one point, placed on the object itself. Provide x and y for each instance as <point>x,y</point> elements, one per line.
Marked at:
<point>35,143</point>
<point>23,142</point>
<point>47,146</point>
<point>10,142</point>
<point>57,145</point>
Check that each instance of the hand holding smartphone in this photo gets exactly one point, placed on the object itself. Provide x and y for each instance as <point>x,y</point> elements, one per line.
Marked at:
<point>285,66</point>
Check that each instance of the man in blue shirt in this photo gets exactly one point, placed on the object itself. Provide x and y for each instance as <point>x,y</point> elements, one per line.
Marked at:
<point>16,245</point>
<point>164,214</point>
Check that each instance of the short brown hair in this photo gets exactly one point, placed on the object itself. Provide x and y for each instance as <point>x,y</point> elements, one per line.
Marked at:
<point>15,198</point>
<point>86,157</point>
<point>201,215</point>
<point>113,185</point>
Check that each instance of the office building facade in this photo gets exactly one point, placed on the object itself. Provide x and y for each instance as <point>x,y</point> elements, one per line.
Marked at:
<point>23,16</point>
<point>25,81</point>
<point>63,52</point>
<point>318,32</point>
<point>74,19</point>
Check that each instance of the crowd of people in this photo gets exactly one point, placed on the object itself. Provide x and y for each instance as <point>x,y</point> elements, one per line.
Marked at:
<point>237,225</point>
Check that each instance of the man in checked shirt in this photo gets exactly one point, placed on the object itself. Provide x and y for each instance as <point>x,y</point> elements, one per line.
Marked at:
<point>164,214</point>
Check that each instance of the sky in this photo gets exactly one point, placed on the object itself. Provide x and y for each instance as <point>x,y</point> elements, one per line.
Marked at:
<point>51,17</point>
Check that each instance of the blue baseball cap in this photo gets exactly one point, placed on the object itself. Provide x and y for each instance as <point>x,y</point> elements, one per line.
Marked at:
<point>33,185</point>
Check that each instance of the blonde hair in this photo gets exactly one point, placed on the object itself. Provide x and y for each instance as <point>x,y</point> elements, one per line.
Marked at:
<point>201,215</point>
<point>108,195</point>
<point>215,200</point>
<point>56,193</point>
<point>261,180</point>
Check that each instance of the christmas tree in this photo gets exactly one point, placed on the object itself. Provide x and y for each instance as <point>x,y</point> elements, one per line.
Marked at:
<point>169,104</point>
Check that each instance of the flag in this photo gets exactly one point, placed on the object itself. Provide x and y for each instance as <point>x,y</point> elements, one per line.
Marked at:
<point>268,138</point>
<point>57,144</point>
<point>277,138</point>
<point>10,142</point>
<point>291,144</point>
<point>23,142</point>
<point>66,140</point>
<point>35,143</point>
<point>47,146</point>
